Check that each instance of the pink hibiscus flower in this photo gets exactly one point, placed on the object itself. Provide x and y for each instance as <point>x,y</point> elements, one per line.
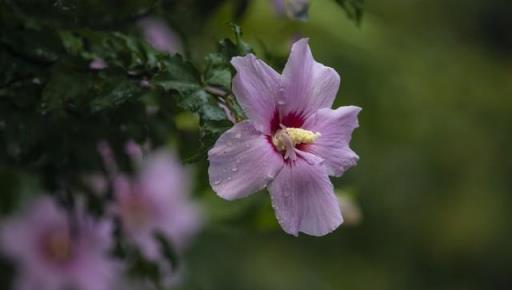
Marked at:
<point>291,142</point>
<point>54,251</point>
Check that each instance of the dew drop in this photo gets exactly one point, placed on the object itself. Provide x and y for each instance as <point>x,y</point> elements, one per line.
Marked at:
<point>234,169</point>
<point>281,91</point>
<point>238,135</point>
<point>217,182</point>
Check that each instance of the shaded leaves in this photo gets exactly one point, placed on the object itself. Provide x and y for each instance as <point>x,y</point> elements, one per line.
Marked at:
<point>203,92</point>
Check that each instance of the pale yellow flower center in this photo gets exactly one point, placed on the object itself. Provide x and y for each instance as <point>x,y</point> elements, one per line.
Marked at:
<point>136,212</point>
<point>286,139</point>
<point>58,246</point>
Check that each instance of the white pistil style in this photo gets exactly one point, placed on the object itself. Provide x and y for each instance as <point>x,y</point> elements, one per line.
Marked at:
<point>285,139</point>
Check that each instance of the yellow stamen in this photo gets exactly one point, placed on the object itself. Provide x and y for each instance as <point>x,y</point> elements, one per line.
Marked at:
<point>290,137</point>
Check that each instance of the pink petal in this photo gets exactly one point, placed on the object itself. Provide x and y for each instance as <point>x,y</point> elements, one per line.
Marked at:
<point>148,245</point>
<point>335,127</point>
<point>183,223</point>
<point>309,85</point>
<point>162,178</point>
<point>255,86</point>
<point>95,273</point>
<point>304,200</point>
<point>242,162</point>
<point>279,7</point>
<point>159,35</point>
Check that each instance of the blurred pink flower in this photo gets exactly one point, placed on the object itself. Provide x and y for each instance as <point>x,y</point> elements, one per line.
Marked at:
<point>55,251</point>
<point>96,182</point>
<point>156,201</point>
<point>98,64</point>
<point>294,9</point>
<point>159,35</point>
<point>291,143</point>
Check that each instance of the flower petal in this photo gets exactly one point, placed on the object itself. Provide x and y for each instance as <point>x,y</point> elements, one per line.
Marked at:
<point>335,127</point>
<point>162,178</point>
<point>304,200</point>
<point>308,85</point>
<point>242,162</point>
<point>255,86</point>
<point>183,221</point>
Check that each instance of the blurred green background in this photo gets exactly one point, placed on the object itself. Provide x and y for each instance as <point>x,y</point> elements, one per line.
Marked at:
<point>434,79</point>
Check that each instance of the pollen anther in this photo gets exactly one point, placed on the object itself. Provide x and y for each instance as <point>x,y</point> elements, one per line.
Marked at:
<point>286,139</point>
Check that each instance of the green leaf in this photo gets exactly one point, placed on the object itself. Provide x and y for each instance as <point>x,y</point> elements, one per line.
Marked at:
<point>118,50</point>
<point>178,75</point>
<point>218,71</point>
<point>353,9</point>
<point>115,93</point>
<point>17,190</point>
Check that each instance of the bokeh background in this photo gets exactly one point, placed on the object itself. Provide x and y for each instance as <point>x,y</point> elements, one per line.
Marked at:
<point>433,186</point>
<point>434,79</point>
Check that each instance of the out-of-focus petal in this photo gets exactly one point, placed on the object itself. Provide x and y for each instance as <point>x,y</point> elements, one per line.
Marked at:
<point>20,234</point>
<point>308,85</point>
<point>294,9</point>
<point>159,35</point>
<point>242,162</point>
<point>40,268</point>
<point>95,273</point>
<point>255,86</point>
<point>162,178</point>
<point>98,64</point>
<point>184,224</point>
<point>335,127</point>
<point>303,199</point>
<point>148,245</point>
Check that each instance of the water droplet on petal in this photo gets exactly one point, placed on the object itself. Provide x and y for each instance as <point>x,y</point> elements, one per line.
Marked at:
<point>234,169</point>
<point>238,135</point>
<point>217,182</point>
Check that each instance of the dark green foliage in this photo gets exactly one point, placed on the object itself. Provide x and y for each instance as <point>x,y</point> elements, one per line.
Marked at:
<point>203,92</point>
